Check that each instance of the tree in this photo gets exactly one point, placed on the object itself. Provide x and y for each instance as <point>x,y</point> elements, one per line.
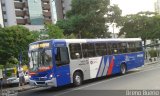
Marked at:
<point>88,18</point>
<point>14,40</point>
<point>144,25</point>
<point>51,31</point>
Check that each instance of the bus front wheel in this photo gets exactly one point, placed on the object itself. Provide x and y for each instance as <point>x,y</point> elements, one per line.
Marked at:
<point>123,69</point>
<point>77,79</point>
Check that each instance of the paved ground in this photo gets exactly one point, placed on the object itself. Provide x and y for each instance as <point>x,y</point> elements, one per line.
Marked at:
<point>102,84</point>
<point>144,78</point>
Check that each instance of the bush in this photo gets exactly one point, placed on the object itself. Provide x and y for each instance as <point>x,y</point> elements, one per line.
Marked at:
<point>153,53</point>
<point>1,66</point>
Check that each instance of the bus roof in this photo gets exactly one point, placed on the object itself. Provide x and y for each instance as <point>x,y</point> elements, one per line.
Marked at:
<point>92,40</point>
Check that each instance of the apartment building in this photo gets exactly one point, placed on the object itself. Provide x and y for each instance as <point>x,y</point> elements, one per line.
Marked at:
<point>62,6</point>
<point>33,14</point>
<point>30,13</point>
<point>157,6</point>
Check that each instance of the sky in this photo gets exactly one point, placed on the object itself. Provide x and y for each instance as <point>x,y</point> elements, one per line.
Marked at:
<point>134,6</point>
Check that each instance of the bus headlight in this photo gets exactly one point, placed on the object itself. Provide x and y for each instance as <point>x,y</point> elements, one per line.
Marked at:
<point>51,76</point>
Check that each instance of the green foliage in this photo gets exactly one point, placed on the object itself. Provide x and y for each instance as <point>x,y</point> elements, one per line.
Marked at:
<point>52,31</point>
<point>1,66</point>
<point>153,53</point>
<point>13,40</point>
<point>12,61</point>
<point>72,36</point>
<point>88,18</point>
<point>144,25</point>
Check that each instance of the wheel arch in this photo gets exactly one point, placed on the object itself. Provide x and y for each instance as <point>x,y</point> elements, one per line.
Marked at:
<point>80,71</point>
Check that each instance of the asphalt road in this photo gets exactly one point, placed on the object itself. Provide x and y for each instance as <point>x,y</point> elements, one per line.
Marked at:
<point>144,78</point>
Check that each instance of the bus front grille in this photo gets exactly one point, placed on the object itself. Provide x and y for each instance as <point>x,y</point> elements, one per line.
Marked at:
<point>40,82</point>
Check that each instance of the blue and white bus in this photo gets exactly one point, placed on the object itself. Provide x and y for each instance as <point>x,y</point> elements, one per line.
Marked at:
<point>58,62</point>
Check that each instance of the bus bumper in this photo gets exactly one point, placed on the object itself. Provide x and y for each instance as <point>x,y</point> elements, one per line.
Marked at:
<point>46,83</point>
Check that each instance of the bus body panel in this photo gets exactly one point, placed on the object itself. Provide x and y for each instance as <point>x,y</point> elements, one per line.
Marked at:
<point>91,67</point>
<point>62,73</point>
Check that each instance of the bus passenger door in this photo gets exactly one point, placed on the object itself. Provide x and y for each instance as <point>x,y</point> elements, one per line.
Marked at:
<point>62,71</point>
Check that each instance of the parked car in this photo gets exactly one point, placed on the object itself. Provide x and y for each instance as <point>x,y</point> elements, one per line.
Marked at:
<point>12,77</point>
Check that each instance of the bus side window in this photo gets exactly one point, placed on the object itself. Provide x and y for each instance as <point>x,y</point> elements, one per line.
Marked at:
<point>101,49</point>
<point>124,47</point>
<point>88,50</point>
<point>75,51</point>
<point>109,50</point>
<point>114,48</point>
<point>139,46</point>
<point>62,57</point>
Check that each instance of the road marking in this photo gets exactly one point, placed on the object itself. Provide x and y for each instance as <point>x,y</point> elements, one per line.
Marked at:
<point>105,81</point>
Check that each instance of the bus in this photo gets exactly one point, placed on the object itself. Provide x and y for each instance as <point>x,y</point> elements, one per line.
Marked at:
<point>58,62</point>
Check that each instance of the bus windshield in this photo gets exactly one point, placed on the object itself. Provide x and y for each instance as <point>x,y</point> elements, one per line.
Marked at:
<point>40,58</point>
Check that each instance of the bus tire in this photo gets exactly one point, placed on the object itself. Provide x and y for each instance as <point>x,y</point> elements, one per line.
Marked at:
<point>123,69</point>
<point>77,79</point>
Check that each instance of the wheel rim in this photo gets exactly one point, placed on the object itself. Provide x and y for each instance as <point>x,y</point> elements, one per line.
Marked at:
<point>78,79</point>
<point>123,69</point>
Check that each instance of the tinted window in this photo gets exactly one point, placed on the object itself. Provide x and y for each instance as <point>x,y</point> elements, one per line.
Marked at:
<point>138,46</point>
<point>101,49</point>
<point>114,48</point>
<point>62,56</point>
<point>109,50</point>
<point>75,51</point>
<point>88,50</point>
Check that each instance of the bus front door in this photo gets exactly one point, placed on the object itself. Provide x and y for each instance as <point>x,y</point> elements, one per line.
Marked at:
<point>62,66</point>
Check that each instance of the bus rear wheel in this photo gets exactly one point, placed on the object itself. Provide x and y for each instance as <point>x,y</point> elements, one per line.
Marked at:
<point>123,69</point>
<point>77,79</point>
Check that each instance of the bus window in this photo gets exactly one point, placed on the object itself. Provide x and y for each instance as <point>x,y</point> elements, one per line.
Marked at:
<point>75,51</point>
<point>88,50</point>
<point>114,48</point>
<point>101,49</point>
<point>124,47</point>
<point>62,57</point>
<point>131,47</point>
<point>138,46</point>
<point>109,50</point>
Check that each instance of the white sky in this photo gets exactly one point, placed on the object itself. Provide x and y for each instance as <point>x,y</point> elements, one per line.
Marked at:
<point>134,6</point>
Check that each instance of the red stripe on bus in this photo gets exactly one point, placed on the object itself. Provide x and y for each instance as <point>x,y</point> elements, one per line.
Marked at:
<point>110,67</point>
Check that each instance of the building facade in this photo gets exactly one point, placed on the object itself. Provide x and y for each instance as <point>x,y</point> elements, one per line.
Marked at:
<point>33,13</point>
<point>62,6</point>
<point>30,13</point>
<point>157,6</point>
<point>1,16</point>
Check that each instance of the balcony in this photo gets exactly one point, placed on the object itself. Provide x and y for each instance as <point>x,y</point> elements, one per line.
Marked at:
<point>26,4</point>
<point>19,5</point>
<point>47,14</point>
<point>27,12</point>
<point>20,13</point>
<point>22,21</point>
<point>46,7</point>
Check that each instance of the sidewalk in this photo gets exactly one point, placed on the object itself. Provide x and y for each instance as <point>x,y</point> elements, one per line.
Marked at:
<point>147,62</point>
<point>13,91</point>
<point>21,88</point>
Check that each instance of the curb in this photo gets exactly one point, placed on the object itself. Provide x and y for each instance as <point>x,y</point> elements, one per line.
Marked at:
<point>24,89</point>
<point>151,63</point>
